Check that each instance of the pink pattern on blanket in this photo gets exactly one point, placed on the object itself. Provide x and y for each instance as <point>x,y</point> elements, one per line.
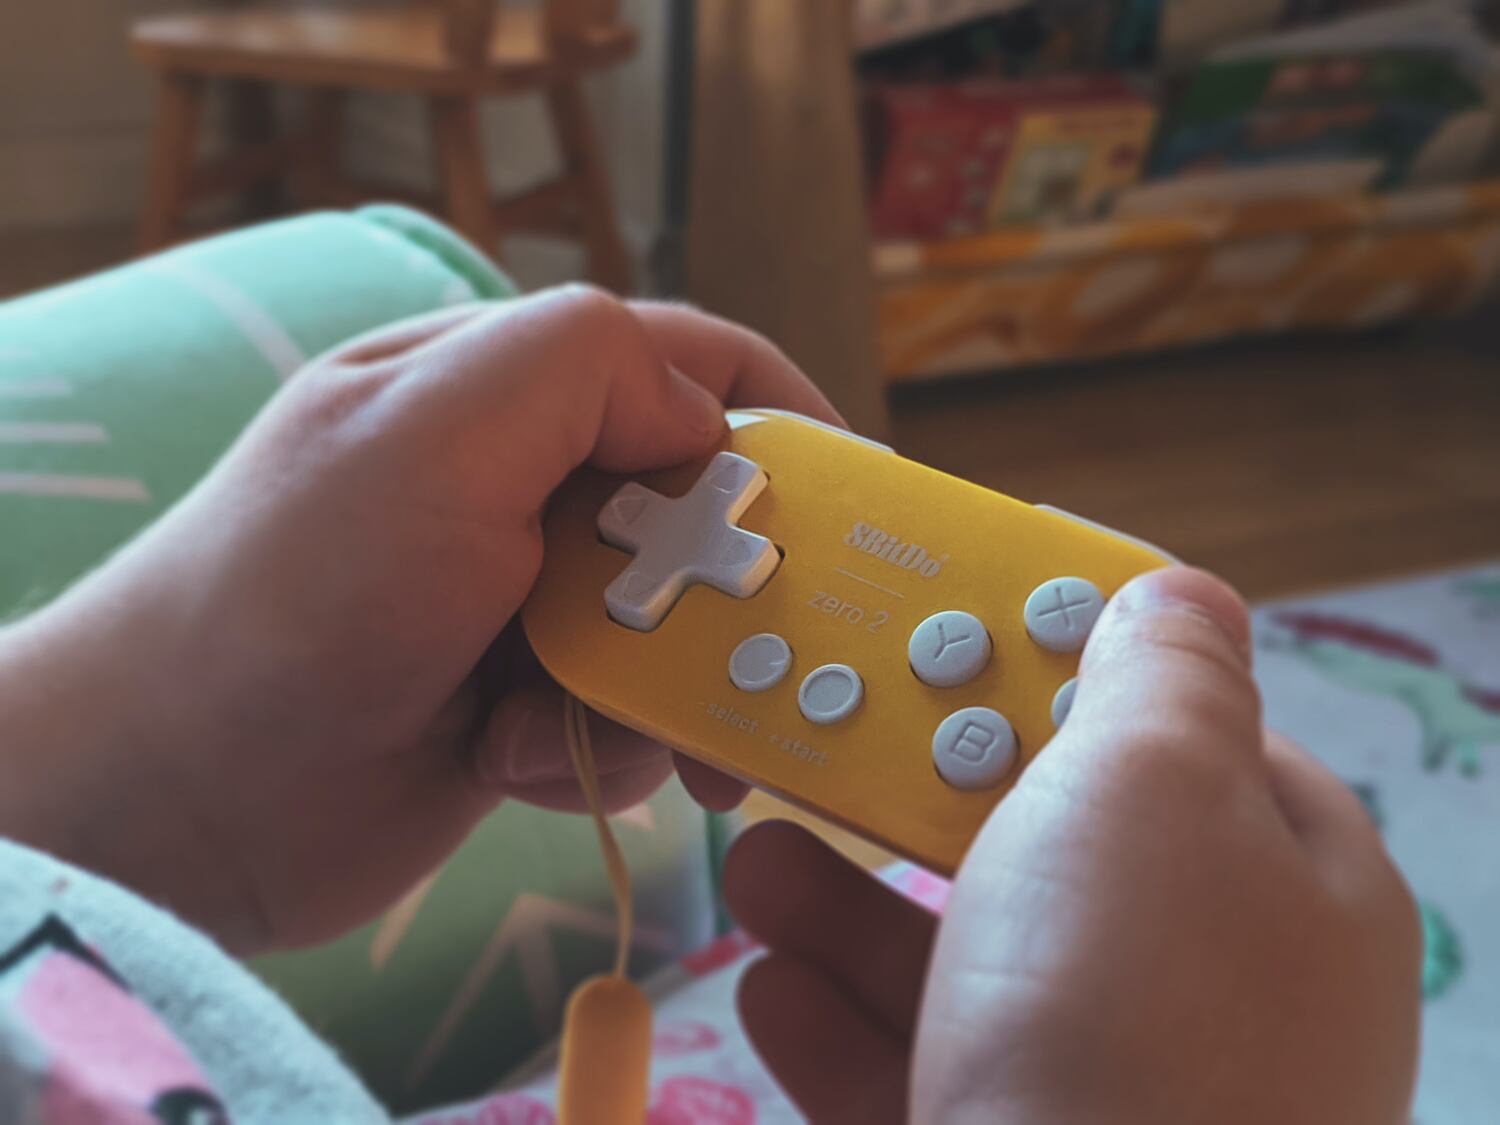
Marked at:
<point>503,1109</point>
<point>684,1037</point>
<point>106,1047</point>
<point>690,1100</point>
<point>922,887</point>
<point>720,954</point>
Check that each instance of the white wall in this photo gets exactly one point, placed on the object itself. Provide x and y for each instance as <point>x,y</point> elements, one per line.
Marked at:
<point>75,113</point>
<point>388,139</point>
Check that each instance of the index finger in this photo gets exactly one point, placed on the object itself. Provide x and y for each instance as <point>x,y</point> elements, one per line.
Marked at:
<point>740,367</point>
<point>797,895</point>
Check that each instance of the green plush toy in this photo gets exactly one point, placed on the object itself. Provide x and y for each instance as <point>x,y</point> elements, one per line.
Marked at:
<point>117,393</point>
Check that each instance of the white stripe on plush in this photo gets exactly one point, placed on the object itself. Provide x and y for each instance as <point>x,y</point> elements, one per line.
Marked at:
<point>83,488</point>
<point>34,388</point>
<point>52,433</point>
<point>264,334</point>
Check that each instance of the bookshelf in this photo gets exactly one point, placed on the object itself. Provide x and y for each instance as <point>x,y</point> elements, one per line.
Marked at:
<point>779,238</point>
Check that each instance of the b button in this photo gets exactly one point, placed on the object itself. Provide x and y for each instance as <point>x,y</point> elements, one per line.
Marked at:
<point>974,748</point>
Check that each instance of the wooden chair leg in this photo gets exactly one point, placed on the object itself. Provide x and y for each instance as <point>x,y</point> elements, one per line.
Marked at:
<point>321,175</point>
<point>583,162</point>
<point>174,143</point>
<point>251,123</point>
<point>459,149</point>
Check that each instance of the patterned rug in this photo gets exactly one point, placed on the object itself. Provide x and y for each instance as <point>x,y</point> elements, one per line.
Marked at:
<point>1397,688</point>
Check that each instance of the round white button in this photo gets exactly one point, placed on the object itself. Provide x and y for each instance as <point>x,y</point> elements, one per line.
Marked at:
<point>949,649</point>
<point>831,693</point>
<point>760,662</point>
<point>1062,702</point>
<point>1061,613</point>
<point>974,748</point>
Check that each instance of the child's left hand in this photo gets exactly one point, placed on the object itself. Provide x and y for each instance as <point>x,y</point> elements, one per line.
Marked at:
<point>298,692</point>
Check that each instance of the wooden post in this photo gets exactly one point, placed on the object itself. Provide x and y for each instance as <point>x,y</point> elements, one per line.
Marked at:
<point>458,145</point>
<point>174,144</point>
<point>251,122</point>
<point>777,230</point>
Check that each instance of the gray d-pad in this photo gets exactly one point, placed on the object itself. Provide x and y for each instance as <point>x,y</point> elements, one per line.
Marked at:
<point>690,541</point>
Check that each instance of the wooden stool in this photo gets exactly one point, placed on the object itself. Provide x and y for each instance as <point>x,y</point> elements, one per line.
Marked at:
<point>453,53</point>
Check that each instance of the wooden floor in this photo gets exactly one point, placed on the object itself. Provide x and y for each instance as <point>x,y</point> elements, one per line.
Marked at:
<point>1286,466</point>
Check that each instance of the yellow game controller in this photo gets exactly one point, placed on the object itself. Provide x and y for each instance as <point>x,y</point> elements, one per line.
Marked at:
<point>877,642</point>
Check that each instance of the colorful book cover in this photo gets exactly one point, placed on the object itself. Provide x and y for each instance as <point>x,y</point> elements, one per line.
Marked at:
<point>1241,113</point>
<point>935,154</point>
<point>955,159</point>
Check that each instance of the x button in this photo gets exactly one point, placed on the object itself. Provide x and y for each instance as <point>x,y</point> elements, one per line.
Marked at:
<point>1061,613</point>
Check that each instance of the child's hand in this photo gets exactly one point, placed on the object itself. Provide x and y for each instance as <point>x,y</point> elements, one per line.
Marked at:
<point>1173,918</point>
<point>299,691</point>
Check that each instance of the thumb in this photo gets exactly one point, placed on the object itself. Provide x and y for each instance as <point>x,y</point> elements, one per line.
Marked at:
<point>1166,675</point>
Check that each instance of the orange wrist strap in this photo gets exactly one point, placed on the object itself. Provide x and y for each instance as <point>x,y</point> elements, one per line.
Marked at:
<point>606,1044</point>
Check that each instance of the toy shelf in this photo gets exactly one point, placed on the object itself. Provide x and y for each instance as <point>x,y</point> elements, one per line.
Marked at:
<point>1023,297</point>
<point>779,239</point>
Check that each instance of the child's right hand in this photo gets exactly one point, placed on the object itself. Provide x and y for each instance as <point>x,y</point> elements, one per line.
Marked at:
<point>1175,917</point>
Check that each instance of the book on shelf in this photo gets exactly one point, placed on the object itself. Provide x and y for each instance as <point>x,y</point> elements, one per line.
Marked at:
<point>954,159</point>
<point>881,23</point>
<point>1412,87</point>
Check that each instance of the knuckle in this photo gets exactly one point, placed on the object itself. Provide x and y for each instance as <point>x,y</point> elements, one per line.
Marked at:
<point>327,397</point>
<point>1392,897</point>
<point>1178,768</point>
<point>591,306</point>
<point>1185,660</point>
<point>757,345</point>
<point>602,322</point>
<point>1189,632</point>
<point>1219,709</point>
<point>1153,765</point>
<point>1384,918</point>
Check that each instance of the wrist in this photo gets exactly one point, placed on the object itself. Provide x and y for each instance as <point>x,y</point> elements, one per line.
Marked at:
<point>97,765</point>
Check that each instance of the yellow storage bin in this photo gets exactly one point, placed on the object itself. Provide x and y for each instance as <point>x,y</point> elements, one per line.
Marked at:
<point>1021,297</point>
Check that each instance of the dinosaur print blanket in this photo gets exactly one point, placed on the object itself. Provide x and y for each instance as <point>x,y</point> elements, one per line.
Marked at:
<point>1397,688</point>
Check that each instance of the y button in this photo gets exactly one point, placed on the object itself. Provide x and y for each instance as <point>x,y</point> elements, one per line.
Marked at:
<point>949,649</point>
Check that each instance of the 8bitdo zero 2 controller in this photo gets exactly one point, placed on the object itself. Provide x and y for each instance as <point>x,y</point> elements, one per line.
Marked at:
<point>875,641</point>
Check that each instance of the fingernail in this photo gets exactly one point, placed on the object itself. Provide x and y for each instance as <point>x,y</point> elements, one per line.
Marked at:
<point>700,409</point>
<point>503,760</point>
<point>1198,592</point>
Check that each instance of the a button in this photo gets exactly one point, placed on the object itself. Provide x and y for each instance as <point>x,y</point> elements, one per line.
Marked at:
<point>1062,702</point>
<point>684,542</point>
<point>949,649</point>
<point>831,693</point>
<point>760,662</point>
<point>1061,613</point>
<point>974,748</point>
